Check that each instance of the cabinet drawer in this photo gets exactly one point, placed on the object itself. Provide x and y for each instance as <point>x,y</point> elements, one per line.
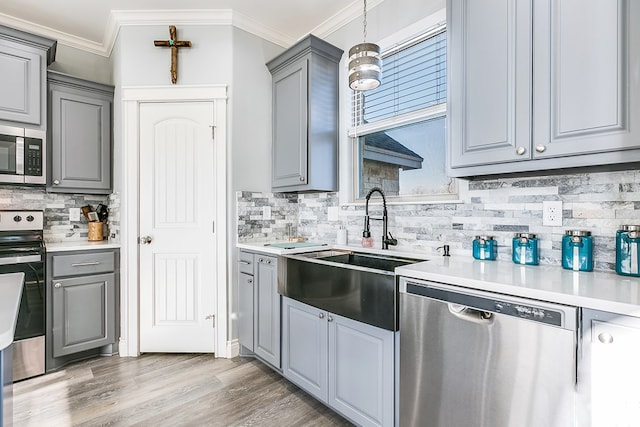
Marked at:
<point>80,264</point>
<point>245,262</point>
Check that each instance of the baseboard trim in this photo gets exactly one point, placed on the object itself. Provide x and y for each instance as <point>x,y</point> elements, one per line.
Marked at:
<point>233,348</point>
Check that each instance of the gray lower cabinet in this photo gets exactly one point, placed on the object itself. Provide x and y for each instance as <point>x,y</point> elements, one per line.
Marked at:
<point>23,63</point>
<point>82,308</point>
<point>259,306</point>
<point>305,117</point>
<point>346,364</point>
<point>523,97</point>
<point>80,135</point>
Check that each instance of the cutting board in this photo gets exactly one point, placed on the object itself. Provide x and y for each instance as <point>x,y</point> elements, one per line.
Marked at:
<point>294,245</point>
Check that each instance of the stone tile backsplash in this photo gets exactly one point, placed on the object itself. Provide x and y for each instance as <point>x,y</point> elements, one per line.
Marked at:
<point>57,226</point>
<point>597,202</point>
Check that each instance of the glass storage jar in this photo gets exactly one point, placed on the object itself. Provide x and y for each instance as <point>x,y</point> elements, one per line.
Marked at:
<point>627,245</point>
<point>525,249</point>
<point>485,248</point>
<point>577,250</point>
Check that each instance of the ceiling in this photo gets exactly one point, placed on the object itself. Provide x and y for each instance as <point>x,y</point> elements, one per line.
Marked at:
<point>92,25</point>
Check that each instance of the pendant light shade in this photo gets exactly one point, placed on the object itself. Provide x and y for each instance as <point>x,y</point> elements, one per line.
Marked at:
<point>365,65</point>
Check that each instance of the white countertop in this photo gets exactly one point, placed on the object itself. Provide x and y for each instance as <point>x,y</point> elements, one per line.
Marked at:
<point>81,246</point>
<point>10,295</point>
<point>264,247</point>
<point>598,290</point>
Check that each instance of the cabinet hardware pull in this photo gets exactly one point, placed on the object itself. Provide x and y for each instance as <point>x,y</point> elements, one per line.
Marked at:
<point>540,148</point>
<point>245,262</point>
<point>261,260</point>
<point>268,261</point>
<point>249,281</point>
<point>302,179</point>
<point>84,264</point>
<point>57,285</point>
<point>605,338</point>
<point>56,182</point>
<point>330,319</point>
<point>520,151</point>
<point>321,315</point>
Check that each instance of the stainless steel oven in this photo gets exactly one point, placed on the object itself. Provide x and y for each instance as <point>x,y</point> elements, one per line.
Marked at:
<point>22,156</point>
<point>22,249</point>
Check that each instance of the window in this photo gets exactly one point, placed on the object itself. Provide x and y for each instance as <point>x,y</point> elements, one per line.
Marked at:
<point>399,128</point>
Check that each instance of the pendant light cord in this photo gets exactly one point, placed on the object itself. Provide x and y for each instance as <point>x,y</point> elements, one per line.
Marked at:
<point>364,22</point>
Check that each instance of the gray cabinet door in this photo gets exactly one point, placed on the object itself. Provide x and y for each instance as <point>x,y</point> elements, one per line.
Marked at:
<point>305,356</point>
<point>21,84</point>
<point>584,96</point>
<point>83,313</point>
<point>245,310</point>
<point>289,151</point>
<point>81,142</point>
<point>489,73</point>
<point>267,310</point>
<point>361,371</point>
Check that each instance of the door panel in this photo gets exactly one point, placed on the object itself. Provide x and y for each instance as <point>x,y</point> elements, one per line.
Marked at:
<point>304,359</point>
<point>584,95</point>
<point>83,310</point>
<point>177,212</point>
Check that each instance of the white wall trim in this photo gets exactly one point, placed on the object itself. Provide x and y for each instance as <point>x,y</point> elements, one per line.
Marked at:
<point>132,98</point>
<point>233,348</point>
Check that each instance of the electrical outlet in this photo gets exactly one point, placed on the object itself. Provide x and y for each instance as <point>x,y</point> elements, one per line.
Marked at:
<point>552,213</point>
<point>74,214</point>
<point>266,212</point>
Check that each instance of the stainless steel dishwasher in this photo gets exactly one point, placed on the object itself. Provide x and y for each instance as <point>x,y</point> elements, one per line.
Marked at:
<point>473,358</point>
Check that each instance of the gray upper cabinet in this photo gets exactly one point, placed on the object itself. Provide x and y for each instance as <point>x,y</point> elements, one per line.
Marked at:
<point>536,85</point>
<point>305,117</point>
<point>23,65</point>
<point>80,135</point>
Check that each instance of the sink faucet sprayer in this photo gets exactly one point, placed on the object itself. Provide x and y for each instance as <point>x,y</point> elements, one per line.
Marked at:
<point>387,238</point>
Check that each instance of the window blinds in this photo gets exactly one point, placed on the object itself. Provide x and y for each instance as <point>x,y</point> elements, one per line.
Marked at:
<point>413,78</point>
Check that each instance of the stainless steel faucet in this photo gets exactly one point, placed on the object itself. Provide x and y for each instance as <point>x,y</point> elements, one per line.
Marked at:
<point>387,238</point>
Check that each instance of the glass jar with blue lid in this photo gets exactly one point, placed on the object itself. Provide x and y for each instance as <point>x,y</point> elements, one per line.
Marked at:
<point>577,250</point>
<point>485,248</point>
<point>525,249</point>
<point>627,249</point>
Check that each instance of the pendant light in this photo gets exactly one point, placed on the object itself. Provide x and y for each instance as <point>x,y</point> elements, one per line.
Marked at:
<point>365,65</point>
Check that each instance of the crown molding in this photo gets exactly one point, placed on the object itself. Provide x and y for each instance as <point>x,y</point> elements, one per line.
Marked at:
<point>120,18</point>
<point>342,18</point>
<point>62,37</point>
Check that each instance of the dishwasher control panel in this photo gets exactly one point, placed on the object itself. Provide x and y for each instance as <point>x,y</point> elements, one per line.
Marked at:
<point>550,317</point>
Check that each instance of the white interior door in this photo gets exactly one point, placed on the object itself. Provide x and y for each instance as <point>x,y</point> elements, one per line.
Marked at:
<point>177,213</point>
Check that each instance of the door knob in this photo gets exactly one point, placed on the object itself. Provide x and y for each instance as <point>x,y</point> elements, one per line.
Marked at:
<point>145,240</point>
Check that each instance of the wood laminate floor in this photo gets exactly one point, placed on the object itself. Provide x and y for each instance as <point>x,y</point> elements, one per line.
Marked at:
<point>166,390</point>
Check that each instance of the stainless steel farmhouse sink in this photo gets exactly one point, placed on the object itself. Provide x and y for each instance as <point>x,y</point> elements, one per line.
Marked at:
<point>357,285</point>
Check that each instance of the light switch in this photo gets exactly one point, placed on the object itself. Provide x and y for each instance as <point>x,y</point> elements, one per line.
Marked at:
<point>266,212</point>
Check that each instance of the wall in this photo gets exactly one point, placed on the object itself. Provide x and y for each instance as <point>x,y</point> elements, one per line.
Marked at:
<point>219,55</point>
<point>82,64</point>
<point>57,227</point>
<point>597,202</point>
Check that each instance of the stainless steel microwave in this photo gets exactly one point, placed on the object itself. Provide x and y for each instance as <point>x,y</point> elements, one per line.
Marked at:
<point>22,156</point>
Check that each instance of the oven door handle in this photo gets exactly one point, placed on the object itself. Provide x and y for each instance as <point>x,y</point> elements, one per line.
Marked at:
<point>20,259</point>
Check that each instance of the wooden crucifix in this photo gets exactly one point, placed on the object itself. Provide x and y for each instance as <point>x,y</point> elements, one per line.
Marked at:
<point>174,44</point>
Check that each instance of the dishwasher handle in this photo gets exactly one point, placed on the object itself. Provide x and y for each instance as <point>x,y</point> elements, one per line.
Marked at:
<point>471,314</point>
